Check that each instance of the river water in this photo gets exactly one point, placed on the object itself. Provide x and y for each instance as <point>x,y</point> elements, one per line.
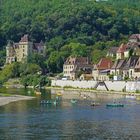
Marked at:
<point>29,120</point>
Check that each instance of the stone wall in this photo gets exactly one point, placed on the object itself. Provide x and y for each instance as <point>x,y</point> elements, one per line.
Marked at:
<point>76,83</point>
<point>114,86</point>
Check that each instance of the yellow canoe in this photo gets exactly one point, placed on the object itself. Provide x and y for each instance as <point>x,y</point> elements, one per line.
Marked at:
<point>37,93</point>
<point>59,94</point>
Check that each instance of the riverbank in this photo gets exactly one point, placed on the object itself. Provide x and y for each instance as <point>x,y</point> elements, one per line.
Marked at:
<point>14,98</point>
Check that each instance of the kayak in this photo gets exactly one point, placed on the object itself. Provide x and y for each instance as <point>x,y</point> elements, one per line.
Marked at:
<point>114,105</point>
<point>73,101</point>
<point>95,104</point>
<point>59,94</point>
<point>46,102</point>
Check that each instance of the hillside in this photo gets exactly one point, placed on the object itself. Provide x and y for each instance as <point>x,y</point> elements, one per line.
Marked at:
<point>62,23</point>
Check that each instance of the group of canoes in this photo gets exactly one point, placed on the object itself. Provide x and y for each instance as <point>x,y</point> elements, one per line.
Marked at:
<point>74,101</point>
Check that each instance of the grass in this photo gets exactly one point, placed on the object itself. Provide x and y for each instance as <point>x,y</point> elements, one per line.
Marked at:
<point>5,94</point>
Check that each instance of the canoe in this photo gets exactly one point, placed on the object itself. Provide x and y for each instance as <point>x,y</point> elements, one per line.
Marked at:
<point>45,102</point>
<point>59,94</point>
<point>114,105</point>
<point>37,93</point>
<point>73,101</point>
<point>55,102</point>
<point>95,104</point>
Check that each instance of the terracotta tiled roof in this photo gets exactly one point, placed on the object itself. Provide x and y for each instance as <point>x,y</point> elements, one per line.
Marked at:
<point>122,48</point>
<point>104,63</point>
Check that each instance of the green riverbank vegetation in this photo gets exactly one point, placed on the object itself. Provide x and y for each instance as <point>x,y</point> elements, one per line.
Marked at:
<point>72,27</point>
<point>29,74</point>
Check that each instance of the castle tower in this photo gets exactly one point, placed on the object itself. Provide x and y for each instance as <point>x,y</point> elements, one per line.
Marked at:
<point>24,48</point>
<point>10,53</point>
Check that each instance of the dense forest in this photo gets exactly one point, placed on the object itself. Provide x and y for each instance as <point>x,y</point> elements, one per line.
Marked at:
<point>68,27</point>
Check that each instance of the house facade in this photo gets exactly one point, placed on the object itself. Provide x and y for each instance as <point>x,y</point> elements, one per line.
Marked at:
<point>74,67</point>
<point>129,67</point>
<point>101,70</point>
<point>117,68</point>
<point>112,52</point>
<point>19,52</point>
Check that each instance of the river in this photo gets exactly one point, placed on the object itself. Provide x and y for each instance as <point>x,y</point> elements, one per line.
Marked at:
<point>29,120</point>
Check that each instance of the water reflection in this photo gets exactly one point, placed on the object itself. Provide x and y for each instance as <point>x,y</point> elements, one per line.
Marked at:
<point>25,120</point>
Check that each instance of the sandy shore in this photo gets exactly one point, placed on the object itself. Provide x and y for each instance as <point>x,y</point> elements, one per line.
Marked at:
<point>14,98</point>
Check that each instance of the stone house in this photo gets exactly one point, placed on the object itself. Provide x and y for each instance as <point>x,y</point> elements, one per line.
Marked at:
<point>117,68</point>
<point>133,46</point>
<point>19,52</point>
<point>74,67</point>
<point>112,52</point>
<point>129,67</point>
<point>102,69</point>
<point>136,73</point>
<point>120,52</point>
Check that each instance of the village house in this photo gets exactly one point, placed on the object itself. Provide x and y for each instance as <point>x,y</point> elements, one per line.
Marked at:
<point>127,57</point>
<point>112,52</point>
<point>117,68</point>
<point>101,70</point>
<point>129,67</point>
<point>19,52</point>
<point>120,52</point>
<point>136,73</point>
<point>74,67</point>
<point>132,48</point>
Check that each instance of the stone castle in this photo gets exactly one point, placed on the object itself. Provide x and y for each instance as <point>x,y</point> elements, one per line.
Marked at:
<point>19,52</point>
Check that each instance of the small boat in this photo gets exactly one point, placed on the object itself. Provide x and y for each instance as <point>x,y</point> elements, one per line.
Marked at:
<point>46,102</point>
<point>130,96</point>
<point>59,94</point>
<point>73,101</point>
<point>114,105</point>
<point>55,102</point>
<point>37,93</point>
<point>95,104</point>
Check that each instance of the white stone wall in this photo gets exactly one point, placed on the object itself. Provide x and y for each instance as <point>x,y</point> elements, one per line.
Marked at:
<point>79,84</point>
<point>114,86</point>
<point>132,86</point>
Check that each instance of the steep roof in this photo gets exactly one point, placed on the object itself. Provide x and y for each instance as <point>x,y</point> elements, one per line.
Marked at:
<point>122,48</point>
<point>137,66</point>
<point>25,38</point>
<point>104,63</point>
<point>38,45</point>
<point>131,62</point>
<point>118,64</point>
<point>113,50</point>
<point>77,60</point>
<point>135,36</point>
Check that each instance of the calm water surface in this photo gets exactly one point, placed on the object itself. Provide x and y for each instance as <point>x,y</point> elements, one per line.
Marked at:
<point>28,120</point>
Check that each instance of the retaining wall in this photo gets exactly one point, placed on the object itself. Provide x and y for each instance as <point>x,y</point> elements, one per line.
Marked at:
<point>115,85</point>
